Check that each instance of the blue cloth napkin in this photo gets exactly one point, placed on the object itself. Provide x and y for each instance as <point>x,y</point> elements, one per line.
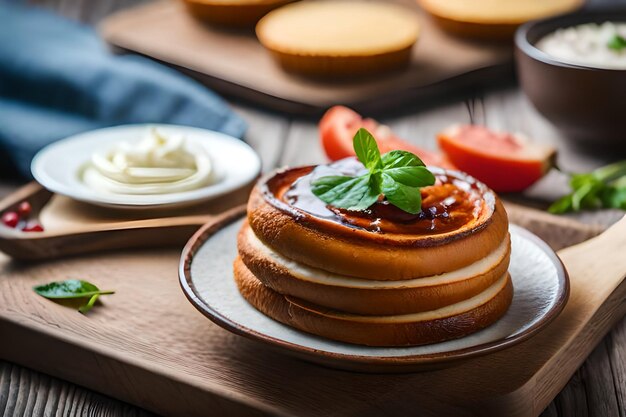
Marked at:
<point>57,78</point>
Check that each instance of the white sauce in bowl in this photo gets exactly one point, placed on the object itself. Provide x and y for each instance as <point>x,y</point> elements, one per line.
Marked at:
<point>587,45</point>
<point>157,164</point>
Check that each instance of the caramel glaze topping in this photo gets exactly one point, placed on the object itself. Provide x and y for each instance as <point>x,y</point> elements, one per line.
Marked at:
<point>446,206</point>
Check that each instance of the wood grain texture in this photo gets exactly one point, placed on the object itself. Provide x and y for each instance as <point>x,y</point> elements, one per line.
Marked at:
<point>72,228</point>
<point>54,398</point>
<point>246,70</point>
<point>147,340</point>
<point>27,393</point>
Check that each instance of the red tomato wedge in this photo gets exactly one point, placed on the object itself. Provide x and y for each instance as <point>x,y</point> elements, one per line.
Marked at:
<point>503,161</point>
<point>339,125</point>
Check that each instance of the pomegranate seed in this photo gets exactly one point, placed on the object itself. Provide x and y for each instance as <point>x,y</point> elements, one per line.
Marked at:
<point>24,209</point>
<point>33,227</point>
<point>10,219</point>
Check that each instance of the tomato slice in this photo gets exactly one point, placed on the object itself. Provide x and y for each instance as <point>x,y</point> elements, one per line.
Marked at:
<point>503,161</point>
<point>339,125</point>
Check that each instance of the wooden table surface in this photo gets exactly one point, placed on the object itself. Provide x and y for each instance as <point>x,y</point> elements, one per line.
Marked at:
<point>597,389</point>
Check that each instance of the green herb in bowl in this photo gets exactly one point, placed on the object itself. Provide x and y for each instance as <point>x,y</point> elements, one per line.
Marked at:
<point>617,43</point>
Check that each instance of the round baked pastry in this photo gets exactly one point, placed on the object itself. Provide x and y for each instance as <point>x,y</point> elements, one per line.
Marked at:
<point>368,296</point>
<point>339,38</point>
<point>450,322</point>
<point>382,276</point>
<point>492,19</point>
<point>383,243</point>
<point>232,13</point>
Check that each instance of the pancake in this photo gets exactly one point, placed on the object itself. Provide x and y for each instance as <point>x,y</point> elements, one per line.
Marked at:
<point>379,276</point>
<point>366,296</point>
<point>450,322</point>
<point>327,241</point>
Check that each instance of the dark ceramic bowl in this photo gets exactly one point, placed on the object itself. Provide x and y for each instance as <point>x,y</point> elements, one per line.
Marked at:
<point>585,103</point>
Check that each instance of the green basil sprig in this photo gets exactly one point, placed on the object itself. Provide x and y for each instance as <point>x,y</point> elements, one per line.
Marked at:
<point>617,43</point>
<point>602,188</point>
<point>72,289</point>
<point>398,175</point>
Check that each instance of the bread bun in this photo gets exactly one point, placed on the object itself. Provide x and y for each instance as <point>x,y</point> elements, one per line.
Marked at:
<point>328,245</point>
<point>339,38</point>
<point>434,326</point>
<point>492,19</point>
<point>232,13</point>
<point>364,296</point>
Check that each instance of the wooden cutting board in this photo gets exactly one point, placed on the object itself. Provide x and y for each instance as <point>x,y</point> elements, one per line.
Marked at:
<point>147,345</point>
<point>235,64</point>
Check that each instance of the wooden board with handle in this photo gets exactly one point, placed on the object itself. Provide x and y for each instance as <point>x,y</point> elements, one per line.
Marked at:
<point>72,227</point>
<point>148,346</point>
<point>235,64</point>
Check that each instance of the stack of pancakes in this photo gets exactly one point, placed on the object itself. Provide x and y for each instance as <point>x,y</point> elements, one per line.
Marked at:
<point>330,278</point>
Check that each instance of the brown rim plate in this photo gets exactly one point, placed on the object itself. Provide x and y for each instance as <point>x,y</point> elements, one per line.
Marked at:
<point>539,279</point>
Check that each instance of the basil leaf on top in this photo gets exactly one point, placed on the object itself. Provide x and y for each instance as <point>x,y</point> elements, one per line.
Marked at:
<point>402,196</point>
<point>72,289</point>
<point>352,193</point>
<point>398,175</point>
<point>366,150</point>
<point>410,176</point>
<point>397,159</point>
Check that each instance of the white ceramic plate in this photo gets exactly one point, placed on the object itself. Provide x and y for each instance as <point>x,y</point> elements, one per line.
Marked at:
<point>58,165</point>
<point>540,286</point>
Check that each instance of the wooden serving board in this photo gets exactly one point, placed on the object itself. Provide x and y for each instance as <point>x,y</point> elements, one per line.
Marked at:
<point>72,227</point>
<point>147,345</point>
<point>235,64</point>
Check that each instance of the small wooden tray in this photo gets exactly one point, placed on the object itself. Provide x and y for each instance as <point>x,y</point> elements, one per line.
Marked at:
<point>147,345</point>
<point>72,227</point>
<point>234,63</point>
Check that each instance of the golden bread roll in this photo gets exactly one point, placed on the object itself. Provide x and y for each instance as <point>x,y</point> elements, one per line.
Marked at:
<point>339,38</point>
<point>492,19</point>
<point>232,13</point>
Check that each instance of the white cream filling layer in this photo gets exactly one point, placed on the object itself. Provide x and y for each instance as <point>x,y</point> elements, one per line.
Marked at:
<point>320,276</point>
<point>447,311</point>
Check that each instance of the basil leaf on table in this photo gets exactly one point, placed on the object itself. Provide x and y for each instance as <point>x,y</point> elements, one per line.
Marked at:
<point>614,197</point>
<point>604,187</point>
<point>398,175</point>
<point>72,289</point>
